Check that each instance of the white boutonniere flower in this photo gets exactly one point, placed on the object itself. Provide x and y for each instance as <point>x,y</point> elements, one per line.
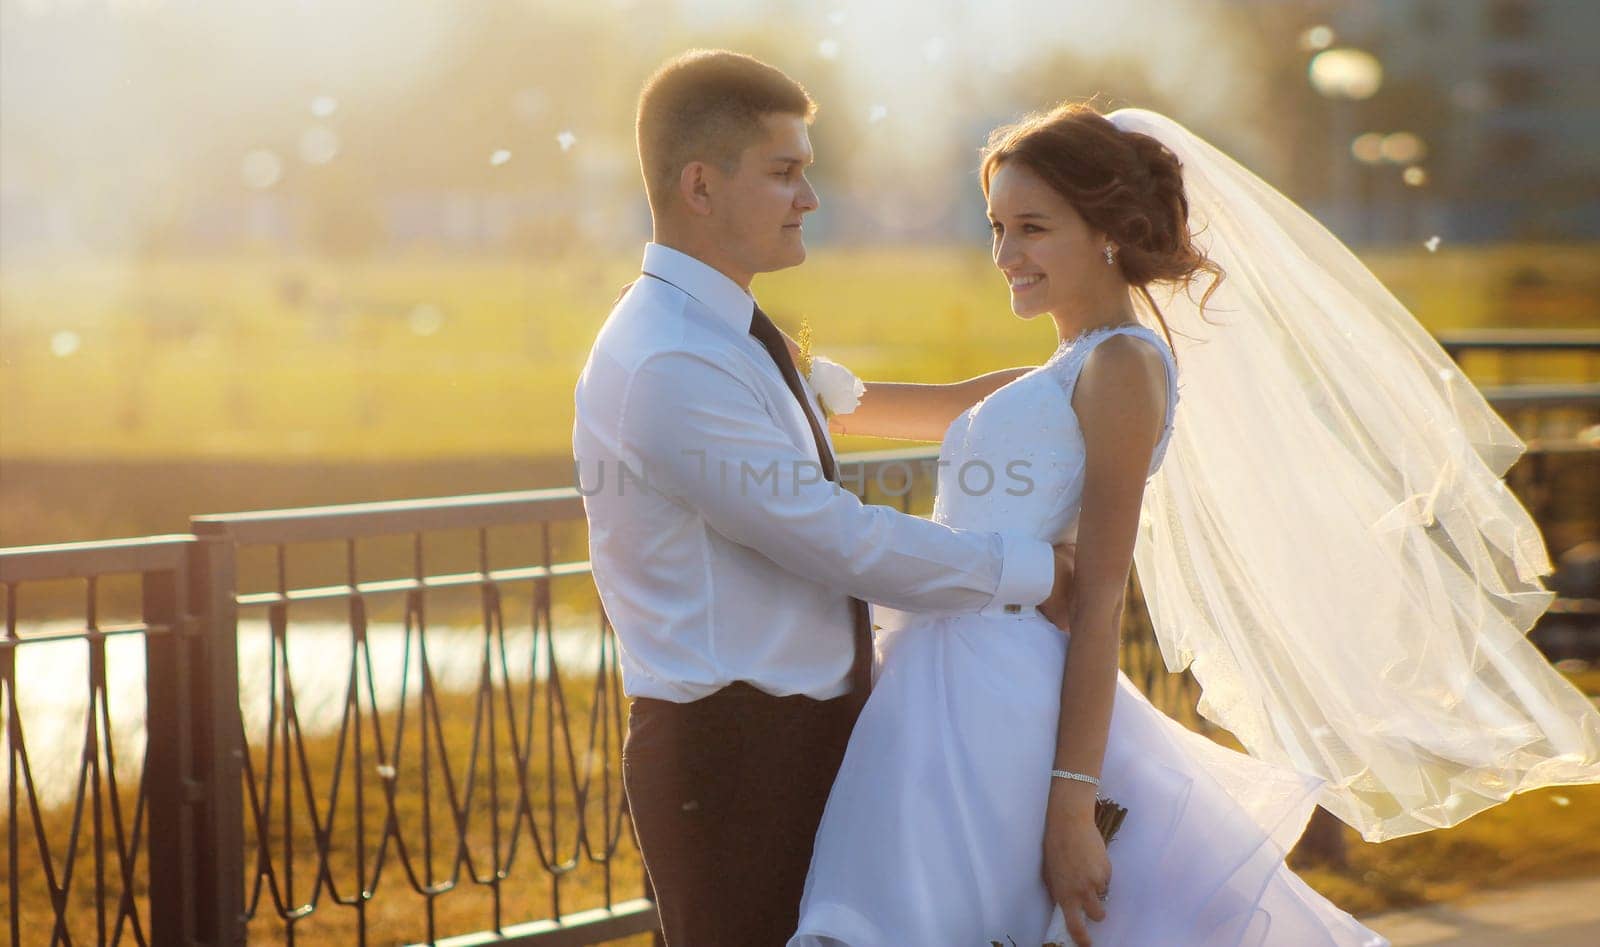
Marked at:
<point>836,386</point>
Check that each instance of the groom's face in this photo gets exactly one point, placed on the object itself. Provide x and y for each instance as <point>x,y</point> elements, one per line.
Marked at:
<point>761,203</point>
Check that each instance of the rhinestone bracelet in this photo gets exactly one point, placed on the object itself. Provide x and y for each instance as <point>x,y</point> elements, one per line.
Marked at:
<point>1080,777</point>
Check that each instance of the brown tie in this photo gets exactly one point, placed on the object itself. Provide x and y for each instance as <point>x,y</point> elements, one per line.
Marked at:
<point>765,332</point>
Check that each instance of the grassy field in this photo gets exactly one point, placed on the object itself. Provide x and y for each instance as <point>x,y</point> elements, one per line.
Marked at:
<point>408,359</point>
<point>1537,836</point>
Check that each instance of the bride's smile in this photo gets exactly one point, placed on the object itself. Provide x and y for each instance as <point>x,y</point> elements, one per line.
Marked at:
<point>1053,261</point>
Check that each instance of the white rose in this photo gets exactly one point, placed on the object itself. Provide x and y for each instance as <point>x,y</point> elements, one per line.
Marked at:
<point>838,388</point>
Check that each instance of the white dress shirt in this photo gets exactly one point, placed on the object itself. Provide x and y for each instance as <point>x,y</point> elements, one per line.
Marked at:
<point>719,551</point>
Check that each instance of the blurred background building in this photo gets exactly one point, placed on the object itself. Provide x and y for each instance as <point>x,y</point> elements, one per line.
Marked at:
<point>1505,95</point>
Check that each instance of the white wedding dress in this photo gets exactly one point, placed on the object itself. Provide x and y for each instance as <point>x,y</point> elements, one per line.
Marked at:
<point>933,833</point>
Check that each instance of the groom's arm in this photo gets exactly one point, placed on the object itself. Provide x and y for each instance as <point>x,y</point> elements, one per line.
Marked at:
<point>702,436</point>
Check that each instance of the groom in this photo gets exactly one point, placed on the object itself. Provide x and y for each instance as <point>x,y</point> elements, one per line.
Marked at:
<point>729,560</point>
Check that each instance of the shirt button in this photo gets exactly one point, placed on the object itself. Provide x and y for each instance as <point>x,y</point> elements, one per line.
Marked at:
<point>1013,609</point>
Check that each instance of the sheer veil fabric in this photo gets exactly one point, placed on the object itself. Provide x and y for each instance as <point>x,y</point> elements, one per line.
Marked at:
<point>1329,546</point>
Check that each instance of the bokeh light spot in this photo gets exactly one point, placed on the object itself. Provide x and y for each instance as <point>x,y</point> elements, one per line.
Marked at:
<point>261,169</point>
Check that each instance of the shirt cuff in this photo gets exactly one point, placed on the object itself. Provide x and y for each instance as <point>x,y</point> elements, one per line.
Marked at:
<point>1027,572</point>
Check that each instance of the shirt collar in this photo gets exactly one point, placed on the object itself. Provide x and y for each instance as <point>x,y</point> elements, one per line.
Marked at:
<point>725,298</point>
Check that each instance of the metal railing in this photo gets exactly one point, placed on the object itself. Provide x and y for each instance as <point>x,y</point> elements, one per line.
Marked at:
<point>313,767</point>
<point>1558,421</point>
<point>164,807</point>
<point>1505,342</point>
<point>525,753</point>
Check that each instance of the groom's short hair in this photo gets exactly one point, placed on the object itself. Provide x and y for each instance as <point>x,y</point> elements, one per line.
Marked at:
<point>707,105</point>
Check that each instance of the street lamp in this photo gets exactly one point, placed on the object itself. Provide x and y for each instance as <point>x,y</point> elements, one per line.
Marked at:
<point>1367,148</point>
<point>1346,73</point>
<point>1403,148</point>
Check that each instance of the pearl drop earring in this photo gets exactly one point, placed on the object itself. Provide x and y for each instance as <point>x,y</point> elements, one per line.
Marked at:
<point>1111,256</point>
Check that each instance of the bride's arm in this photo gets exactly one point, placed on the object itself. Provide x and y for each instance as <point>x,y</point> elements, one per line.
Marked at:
<point>917,412</point>
<point>910,411</point>
<point>1121,403</point>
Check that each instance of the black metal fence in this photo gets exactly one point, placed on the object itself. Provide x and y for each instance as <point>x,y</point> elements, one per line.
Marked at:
<point>392,783</point>
<point>530,784</point>
<point>151,830</point>
<point>362,724</point>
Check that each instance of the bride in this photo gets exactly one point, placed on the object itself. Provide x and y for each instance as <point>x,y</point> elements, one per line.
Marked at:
<point>1323,538</point>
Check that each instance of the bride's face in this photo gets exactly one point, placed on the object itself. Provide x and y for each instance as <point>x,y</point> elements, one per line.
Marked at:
<point>1051,259</point>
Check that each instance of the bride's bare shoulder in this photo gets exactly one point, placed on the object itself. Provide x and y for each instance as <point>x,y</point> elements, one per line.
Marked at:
<point>1122,387</point>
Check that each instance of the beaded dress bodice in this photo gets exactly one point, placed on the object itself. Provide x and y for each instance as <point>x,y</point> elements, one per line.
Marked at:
<point>1014,462</point>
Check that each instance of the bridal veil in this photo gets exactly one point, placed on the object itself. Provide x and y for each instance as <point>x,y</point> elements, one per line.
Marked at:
<point>1329,546</point>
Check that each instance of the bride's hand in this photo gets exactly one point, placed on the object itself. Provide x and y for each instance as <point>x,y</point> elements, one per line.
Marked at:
<point>1077,871</point>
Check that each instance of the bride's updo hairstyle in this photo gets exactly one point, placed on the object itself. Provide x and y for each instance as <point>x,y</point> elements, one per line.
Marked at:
<point>1126,184</point>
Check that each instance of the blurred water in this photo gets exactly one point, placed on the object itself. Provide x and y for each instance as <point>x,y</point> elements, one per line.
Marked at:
<point>53,684</point>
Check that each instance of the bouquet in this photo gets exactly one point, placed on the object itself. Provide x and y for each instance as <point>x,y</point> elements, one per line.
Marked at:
<point>1108,817</point>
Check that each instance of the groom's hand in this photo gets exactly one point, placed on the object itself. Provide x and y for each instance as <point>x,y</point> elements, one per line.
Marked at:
<point>1055,607</point>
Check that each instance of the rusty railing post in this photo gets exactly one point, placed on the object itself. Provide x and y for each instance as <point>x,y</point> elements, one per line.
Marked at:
<point>218,745</point>
<point>170,792</point>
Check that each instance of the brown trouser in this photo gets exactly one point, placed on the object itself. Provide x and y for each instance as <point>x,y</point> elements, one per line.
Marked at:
<point>726,793</point>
